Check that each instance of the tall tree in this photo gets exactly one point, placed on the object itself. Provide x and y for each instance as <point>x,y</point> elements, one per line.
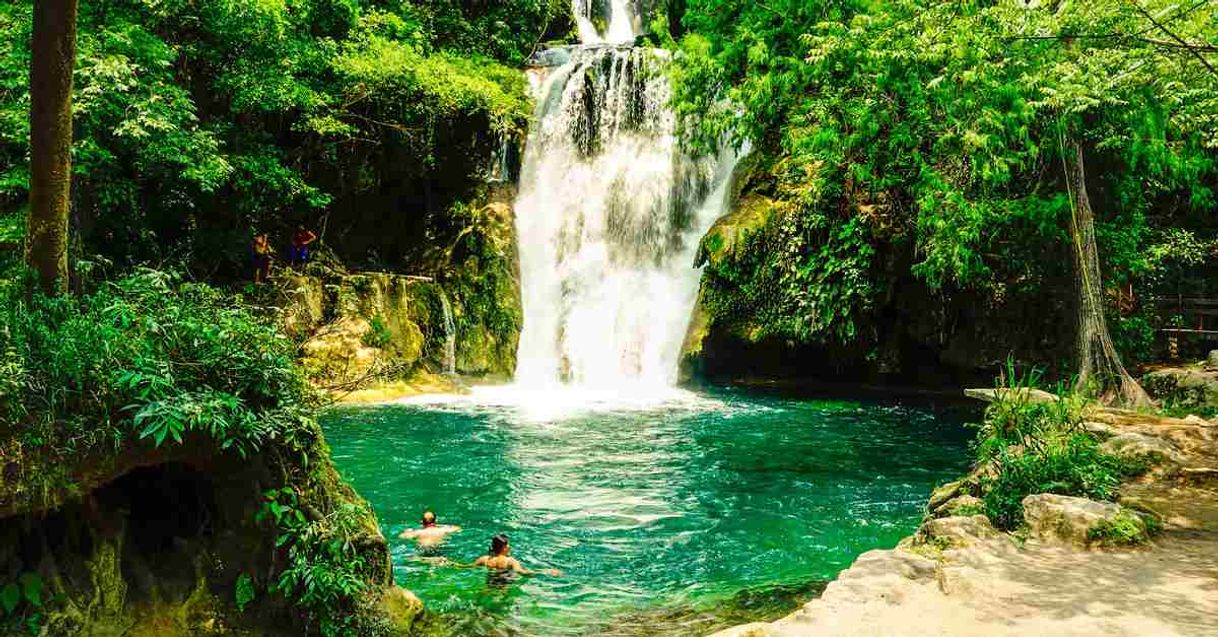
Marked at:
<point>939,122</point>
<point>1100,371</point>
<point>53,55</point>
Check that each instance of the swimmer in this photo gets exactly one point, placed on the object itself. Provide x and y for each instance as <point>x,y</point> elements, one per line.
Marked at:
<point>431,534</point>
<point>500,559</point>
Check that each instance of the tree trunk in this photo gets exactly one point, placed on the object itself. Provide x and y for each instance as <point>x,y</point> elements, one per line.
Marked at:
<point>1100,372</point>
<point>53,49</point>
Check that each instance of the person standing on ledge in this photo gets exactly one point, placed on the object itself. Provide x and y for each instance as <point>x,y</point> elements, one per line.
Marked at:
<point>301,239</point>
<point>261,254</point>
<point>431,534</point>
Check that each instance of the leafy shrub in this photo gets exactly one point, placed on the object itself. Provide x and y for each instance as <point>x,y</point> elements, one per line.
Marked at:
<point>323,576</point>
<point>146,357</point>
<point>1071,465</point>
<point>1031,446</point>
<point>152,360</point>
<point>378,336</point>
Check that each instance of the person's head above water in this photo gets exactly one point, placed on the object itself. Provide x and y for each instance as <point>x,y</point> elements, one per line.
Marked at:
<point>499,545</point>
<point>429,518</point>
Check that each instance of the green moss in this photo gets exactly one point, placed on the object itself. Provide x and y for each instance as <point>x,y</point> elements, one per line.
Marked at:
<point>378,335</point>
<point>1126,528</point>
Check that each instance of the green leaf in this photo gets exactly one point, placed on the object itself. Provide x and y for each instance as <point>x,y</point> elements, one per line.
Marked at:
<point>10,596</point>
<point>31,585</point>
<point>244,591</point>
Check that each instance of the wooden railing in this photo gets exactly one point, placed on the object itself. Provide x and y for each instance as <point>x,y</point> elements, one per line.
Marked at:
<point>1198,315</point>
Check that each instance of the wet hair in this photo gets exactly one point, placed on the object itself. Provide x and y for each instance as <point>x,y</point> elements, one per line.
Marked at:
<point>429,518</point>
<point>498,544</point>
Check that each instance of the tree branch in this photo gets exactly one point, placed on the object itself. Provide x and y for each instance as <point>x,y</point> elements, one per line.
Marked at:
<point>1191,48</point>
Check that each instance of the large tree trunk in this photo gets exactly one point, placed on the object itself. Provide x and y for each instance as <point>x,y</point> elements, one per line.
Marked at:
<point>53,49</point>
<point>1100,372</point>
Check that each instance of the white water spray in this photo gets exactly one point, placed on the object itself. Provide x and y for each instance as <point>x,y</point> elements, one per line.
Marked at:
<point>609,215</point>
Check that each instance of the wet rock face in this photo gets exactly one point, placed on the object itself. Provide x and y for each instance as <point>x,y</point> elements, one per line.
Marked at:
<point>1075,521</point>
<point>387,326</point>
<point>372,323</point>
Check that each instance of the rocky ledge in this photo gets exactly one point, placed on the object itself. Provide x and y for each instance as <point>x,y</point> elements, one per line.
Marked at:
<point>959,576</point>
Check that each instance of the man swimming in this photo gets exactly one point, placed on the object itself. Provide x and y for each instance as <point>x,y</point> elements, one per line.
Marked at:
<point>500,559</point>
<point>431,534</point>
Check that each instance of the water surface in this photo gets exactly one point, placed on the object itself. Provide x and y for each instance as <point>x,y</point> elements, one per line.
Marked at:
<point>675,518</point>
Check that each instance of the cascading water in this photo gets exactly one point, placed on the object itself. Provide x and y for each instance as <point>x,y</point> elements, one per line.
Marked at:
<point>608,216</point>
<point>620,22</point>
<point>450,336</point>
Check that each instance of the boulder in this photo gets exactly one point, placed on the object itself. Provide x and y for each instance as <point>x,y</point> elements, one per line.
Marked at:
<point>1141,446</point>
<point>1099,428</point>
<point>961,505</point>
<point>943,493</point>
<point>399,608</point>
<point>1211,361</point>
<point>956,531</point>
<point>1071,520</point>
<point>1192,386</point>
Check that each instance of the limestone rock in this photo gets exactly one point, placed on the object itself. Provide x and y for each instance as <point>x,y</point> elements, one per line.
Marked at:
<point>990,395</point>
<point>1100,428</point>
<point>961,505</point>
<point>956,530</point>
<point>302,299</point>
<point>1141,446</point>
<point>1070,520</point>
<point>942,494</point>
<point>1184,386</point>
<point>756,629</point>
<point>1194,419</point>
<point>399,607</point>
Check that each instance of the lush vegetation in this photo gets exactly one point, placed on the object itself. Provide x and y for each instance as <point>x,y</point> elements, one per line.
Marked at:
<point>924,139</point>
<point>144,356</point>
<point>1026,446</point>
<point>196,122</point>
<point>148,361</point>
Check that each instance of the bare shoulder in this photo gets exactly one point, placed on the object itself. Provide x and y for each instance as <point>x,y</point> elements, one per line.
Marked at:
<point>481,561</point>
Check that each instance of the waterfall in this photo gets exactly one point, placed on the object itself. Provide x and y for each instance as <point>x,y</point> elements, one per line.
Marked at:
<point>609,215</point>
<point>500,167</point>
<point>450,336</point>
<point>620,22</point>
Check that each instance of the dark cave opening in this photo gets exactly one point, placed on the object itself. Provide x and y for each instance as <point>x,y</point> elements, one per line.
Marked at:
<point>163,505</point>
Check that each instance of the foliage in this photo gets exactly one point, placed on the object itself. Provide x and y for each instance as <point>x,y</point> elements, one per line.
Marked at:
<point>378,335</point>
<point>263,114</point>
<point>21,600</point>
<point>479,274</point>
<point>323,576</point>
<point>933,131</point>
<point>145,357</point>
<point>244,592</point>
<point>1027,446</point>
<point>821,289</point>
